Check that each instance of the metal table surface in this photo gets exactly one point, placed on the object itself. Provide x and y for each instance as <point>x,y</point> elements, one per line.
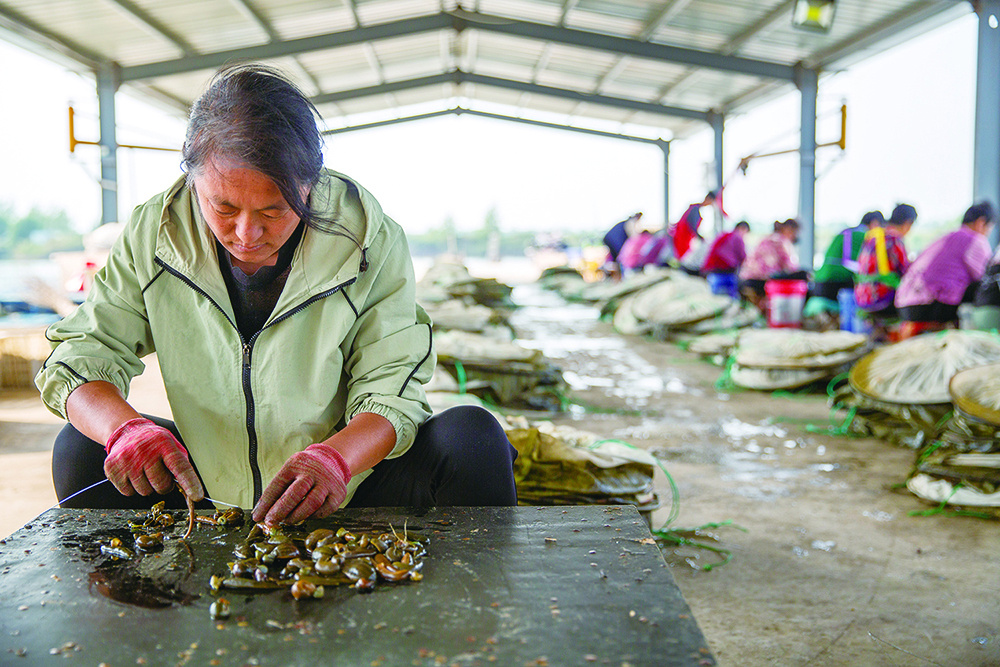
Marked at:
<point>506,586</point>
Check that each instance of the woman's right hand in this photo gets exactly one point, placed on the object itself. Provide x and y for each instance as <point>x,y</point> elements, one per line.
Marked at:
<point>143,458</point>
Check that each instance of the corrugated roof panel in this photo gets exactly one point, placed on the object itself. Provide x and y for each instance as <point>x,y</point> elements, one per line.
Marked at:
<point>206,26</point>
<point>567,80</point>
<point>759,29</point>
<point>539,11</point>
<point>383,11</point>
<point>100,28</point>
<point>511,50</point>
<point>564,58</point>
<point>302,18</point>
<point>504,70</point>
<point>423,46</point>
<point>493,95</point>
<point>340,69</point>
<point>626,18</point>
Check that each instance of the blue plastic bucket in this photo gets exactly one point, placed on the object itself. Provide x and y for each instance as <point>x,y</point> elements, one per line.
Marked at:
<point>850,315</point>
<point>723,283</point>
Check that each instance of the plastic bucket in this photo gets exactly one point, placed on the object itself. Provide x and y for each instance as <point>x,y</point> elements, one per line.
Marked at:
<point>850,314</point>
<point>785,300</point>
<point>723,283</point>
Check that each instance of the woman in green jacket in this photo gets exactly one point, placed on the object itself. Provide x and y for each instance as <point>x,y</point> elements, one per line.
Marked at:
<point>279,300</point>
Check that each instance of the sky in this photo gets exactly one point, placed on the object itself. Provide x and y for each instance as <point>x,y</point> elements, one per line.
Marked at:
<point>909,139</point>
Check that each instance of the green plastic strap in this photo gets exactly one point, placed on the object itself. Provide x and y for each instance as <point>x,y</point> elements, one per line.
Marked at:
<point>725,382</point>
<point>674,535</point>
<point>887,279</point>
<point>941,510</point>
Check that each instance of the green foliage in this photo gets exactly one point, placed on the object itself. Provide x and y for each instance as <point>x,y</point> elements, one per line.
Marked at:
<point>35,234</point>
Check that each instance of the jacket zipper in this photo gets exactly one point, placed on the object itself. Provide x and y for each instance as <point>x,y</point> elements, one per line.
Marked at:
<point>247,350</point>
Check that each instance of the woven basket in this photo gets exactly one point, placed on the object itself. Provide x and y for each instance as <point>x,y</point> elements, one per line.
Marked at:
<point>21,356</point>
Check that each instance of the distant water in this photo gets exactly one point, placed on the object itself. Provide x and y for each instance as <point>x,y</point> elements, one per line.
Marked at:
<point>16,276</point>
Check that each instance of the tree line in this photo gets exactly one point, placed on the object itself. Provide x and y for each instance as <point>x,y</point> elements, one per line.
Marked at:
<point>36,233</point>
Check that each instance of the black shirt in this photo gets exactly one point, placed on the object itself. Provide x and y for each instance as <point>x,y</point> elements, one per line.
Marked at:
<point>254,296</point>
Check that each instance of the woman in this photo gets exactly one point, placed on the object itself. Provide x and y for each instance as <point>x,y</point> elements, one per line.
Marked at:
<point>945,275</point>
<point>279,300</point>
<point>685,231</point>
<point>882,262</point>
<point>773,257</point>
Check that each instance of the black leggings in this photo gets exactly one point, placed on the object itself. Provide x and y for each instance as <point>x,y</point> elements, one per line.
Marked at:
<point>460,458</point>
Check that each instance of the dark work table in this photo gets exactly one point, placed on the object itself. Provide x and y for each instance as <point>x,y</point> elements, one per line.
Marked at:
<point>515,586</point>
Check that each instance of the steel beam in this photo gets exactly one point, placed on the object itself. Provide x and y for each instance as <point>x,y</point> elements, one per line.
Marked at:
<point>808,85</point>
<point>629,47</point>
<point>665,147</point>
<point>460,111</point>
<point>718,123</point>
<point>462,21</point>
<point>458,77</point>
<point>107,85</point>
<point>279,49</point>
<point>986,158</point>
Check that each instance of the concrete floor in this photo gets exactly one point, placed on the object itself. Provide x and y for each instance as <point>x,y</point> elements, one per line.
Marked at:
<point>829,567</point>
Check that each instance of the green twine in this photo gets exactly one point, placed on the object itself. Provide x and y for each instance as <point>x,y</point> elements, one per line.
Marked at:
<point>678,535</point>
<point>725,382</point>
<point>941,510</point>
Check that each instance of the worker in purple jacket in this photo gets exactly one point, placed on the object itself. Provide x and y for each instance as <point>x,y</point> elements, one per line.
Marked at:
<point>945,275</point>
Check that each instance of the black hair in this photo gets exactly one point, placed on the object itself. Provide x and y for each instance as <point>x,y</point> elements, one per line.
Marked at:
<point>742,224</point>
<point>983,209</point>
<point>902,213</point>
<point>255,116</point>
<point>873,218</point>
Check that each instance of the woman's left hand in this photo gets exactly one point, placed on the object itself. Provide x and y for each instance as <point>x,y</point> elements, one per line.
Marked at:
<point>312,483</point>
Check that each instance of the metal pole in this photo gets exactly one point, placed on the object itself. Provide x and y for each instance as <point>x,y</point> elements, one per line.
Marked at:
<point>665,147</point>
<point>108,80</point>
<point>807,81</point>
<point>986,157</point>
<point>718,122</point>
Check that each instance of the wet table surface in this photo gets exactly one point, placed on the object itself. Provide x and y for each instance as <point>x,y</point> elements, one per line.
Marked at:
<point>506,586</point>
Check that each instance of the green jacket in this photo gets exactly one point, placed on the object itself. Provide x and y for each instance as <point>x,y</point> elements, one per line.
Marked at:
<point>346,336</point>
<point>841,259</point>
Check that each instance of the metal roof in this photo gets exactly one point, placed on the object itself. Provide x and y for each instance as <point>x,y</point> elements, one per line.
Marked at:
<point>649,68</point>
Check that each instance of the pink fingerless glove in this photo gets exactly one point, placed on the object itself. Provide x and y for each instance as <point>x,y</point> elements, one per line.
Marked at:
<point>143,458</point>
<point>312,483</point>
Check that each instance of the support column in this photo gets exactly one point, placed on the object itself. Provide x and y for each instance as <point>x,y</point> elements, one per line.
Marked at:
<point>108,81</point>
<point>718,122</point>
<point>986,158</point>
<point>665,147</point>
<point>807,81</point>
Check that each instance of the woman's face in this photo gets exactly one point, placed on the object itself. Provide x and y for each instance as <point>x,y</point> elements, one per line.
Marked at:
<point>246,212</point>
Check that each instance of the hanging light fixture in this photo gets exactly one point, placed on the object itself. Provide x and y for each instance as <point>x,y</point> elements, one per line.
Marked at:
<point>813,14</point>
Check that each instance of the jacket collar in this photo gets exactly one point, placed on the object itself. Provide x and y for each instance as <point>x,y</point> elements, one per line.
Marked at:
<point>321,262</point>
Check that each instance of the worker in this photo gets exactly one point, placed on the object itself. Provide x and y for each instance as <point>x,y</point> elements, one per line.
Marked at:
<point>882,262</point>
<point>685,230</point>
<point>727,251</point>
<point>945,275</point>
<point>840,262</point>
<point>279,300</point>
<point>772,258</point>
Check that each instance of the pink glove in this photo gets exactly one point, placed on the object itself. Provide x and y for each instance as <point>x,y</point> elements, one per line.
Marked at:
<point>312,482</point>
<point>143,456</point>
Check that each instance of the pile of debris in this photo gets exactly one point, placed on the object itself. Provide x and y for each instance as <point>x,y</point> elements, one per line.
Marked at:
<point>476,344</point>
<point>560,465</point>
